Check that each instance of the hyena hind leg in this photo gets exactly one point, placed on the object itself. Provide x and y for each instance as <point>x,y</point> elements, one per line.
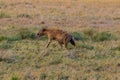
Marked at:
<point>66,45</point>
<point>61,45</point>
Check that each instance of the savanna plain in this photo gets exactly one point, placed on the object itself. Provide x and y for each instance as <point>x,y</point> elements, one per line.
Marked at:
<point>95,25</point>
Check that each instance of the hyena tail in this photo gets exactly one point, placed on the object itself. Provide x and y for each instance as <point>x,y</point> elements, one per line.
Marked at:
<point>72,41</point>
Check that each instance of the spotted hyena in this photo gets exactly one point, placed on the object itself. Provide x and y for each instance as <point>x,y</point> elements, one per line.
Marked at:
<point>62,37</point>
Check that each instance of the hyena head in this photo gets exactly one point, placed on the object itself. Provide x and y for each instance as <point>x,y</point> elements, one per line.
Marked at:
<point>41,32</point>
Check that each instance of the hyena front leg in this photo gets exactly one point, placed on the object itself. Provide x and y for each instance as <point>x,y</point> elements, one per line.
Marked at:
<point>49,41</point>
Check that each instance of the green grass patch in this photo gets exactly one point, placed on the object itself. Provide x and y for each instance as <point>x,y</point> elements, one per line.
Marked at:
<point>103,36</point>
<point>15,78</point>
<point>4,15</point>
<point>79,36</point>
<point>1,59</point>
<point>10,38</point>
<point>2,38</point>
<point>26,34</point>
<point>89,47</point>
<point>13,38</point>
<point>6,45</point>
<point>20,35</point>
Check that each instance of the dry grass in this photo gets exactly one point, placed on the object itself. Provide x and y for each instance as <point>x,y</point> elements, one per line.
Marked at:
<point>88,20</point>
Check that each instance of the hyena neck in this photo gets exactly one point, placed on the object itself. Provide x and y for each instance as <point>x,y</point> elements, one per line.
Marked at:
<point>46,32</point>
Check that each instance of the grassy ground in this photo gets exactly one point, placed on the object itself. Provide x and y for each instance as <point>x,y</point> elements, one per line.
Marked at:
<point>94,24</point>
